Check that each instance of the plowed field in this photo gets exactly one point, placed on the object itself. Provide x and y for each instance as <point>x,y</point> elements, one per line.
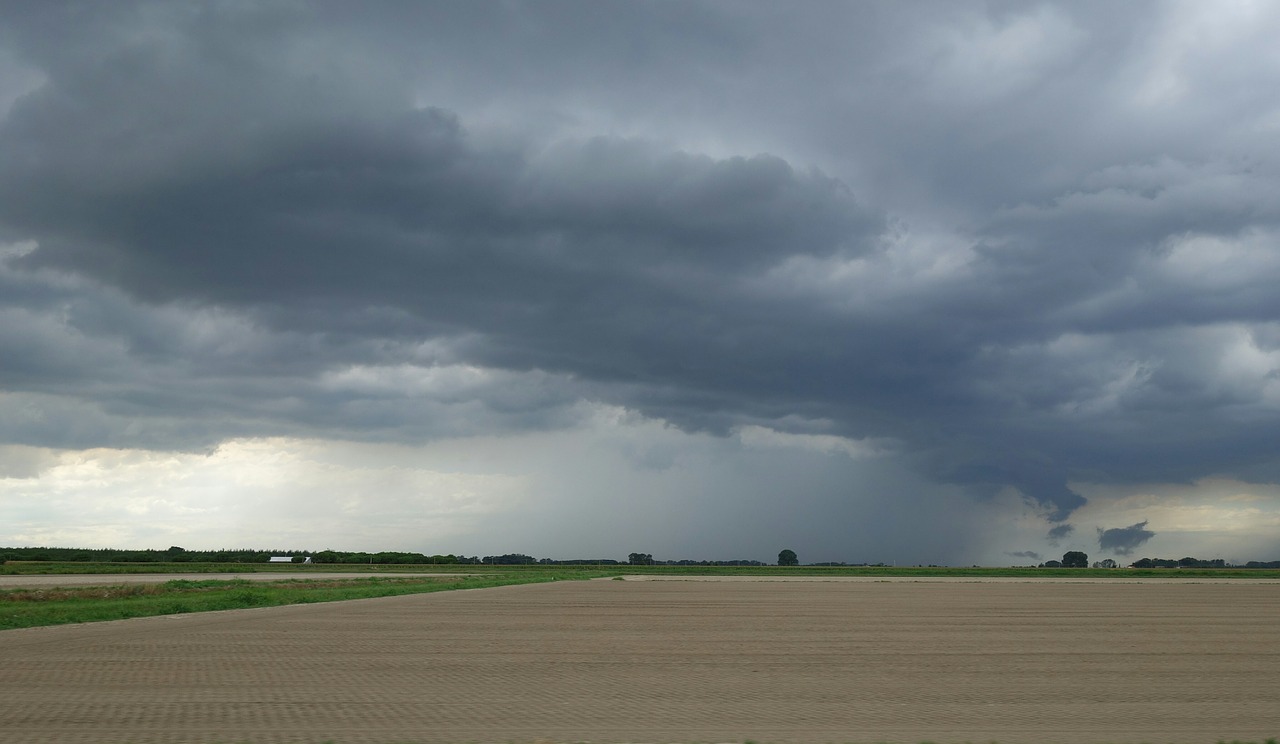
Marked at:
<point>672,661</point>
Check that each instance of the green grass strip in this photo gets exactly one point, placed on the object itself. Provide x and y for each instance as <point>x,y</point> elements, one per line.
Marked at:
<point>26,608</point>
<point>39,568</point>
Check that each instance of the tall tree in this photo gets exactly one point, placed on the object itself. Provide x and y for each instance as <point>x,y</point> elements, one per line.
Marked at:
<point>1075,559</point>
<point>788,558</point>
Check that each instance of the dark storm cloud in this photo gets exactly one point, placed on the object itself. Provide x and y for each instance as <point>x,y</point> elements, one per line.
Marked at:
<point>1028,554</point>
<point>1058,532</point>
<point>1124,540</point>
<point>993,233</point>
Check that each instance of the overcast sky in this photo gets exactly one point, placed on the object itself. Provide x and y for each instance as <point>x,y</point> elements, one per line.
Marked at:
<point>914,282</point>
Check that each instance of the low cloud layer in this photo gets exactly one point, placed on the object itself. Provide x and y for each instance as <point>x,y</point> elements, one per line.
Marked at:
<point>1009,249</point>
<point>1124,540</point>
<point>1060,532</point>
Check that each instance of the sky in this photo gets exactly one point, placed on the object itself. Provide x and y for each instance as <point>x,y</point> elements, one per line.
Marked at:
<point>906,282</point>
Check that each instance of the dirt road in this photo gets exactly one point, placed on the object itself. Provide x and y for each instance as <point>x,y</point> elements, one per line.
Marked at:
<point>671,661</point>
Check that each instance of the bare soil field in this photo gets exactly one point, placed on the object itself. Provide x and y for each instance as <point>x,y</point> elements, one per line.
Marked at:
<point>672,661</point>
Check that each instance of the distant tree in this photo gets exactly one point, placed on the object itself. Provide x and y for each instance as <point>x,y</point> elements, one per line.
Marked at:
<point>1075,559</point>
<point>509,559</point>
<point>640,559</point>
<point>1105,563</point>
<point>788,558</point>
<point>1051,564</point>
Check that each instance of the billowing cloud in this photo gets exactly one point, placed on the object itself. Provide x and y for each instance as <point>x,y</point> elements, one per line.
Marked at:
<point>1028,554</point>
<point>1124,540</point>
<point>1060,532</point>
<point>1009,249</point>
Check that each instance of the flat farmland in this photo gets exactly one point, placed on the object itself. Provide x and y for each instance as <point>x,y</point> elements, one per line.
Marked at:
<point>1040,662</point>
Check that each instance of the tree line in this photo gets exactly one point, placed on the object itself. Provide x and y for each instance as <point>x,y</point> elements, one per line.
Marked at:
<point>175,554</point>
<point>1077,559</point>
<point>1190,562</point>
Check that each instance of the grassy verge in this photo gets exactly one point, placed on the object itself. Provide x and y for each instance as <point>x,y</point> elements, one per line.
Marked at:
<point>25,608</point>
<point>26,568</point>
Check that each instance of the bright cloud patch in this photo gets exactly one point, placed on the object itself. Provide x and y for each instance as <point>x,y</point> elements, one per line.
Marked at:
<point>266,493</point>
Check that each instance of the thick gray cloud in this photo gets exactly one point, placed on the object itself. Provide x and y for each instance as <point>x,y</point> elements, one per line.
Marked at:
<point>1032,245</point>
<point>1060,532</point>
<point>1124,540</point>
